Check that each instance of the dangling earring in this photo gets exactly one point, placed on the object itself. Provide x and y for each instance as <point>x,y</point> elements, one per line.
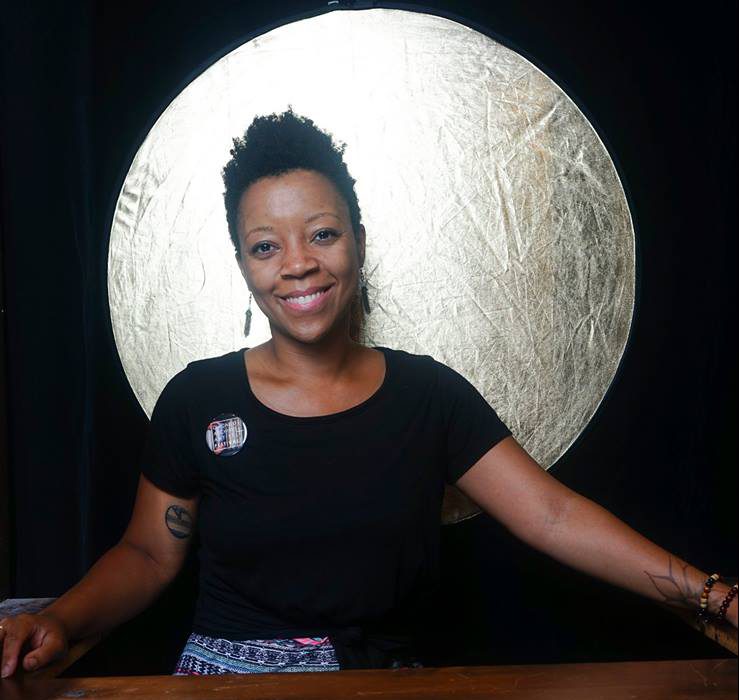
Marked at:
<point>363,290</point>
<point>247,322</point>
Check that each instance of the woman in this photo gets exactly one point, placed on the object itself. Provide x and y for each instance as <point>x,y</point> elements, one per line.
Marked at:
<point>314,466</point>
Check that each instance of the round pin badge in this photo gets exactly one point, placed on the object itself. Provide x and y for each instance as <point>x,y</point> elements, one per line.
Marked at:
<point>225,435</point>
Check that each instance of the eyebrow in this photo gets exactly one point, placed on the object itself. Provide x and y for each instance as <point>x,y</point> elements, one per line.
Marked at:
<point>313,217</point>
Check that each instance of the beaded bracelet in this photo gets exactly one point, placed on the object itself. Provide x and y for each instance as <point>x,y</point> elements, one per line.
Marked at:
<point>726,602</point>
<point>703,611</point>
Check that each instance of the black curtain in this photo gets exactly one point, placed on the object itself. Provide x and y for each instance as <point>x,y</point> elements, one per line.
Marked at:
<point>83,82</point>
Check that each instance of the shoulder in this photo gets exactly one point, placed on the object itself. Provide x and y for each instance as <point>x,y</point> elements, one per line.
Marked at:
<point>414,368</point>
<point>210,366</point>
<point>202,373</point>
<point>419,363</point>
<point>425,376</point>
<point>408,361</point>
<point>446,382</point>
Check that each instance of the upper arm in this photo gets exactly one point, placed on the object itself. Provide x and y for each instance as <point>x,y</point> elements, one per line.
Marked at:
<point>508,484</point>
<point>162,526</point>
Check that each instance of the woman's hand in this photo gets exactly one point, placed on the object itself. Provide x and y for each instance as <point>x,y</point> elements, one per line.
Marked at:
<point>43,637</point>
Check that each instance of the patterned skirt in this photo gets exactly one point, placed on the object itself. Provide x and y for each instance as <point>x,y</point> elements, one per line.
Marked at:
<point>204,655</point>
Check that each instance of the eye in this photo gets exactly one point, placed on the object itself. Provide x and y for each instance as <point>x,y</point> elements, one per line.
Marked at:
<point>261,248</point>
<point>325,234</point>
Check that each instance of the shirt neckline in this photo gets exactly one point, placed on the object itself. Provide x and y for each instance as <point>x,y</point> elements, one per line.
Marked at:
<point>381,390</point>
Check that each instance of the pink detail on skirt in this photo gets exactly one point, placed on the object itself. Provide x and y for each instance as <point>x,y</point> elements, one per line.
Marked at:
<point>310,640</point>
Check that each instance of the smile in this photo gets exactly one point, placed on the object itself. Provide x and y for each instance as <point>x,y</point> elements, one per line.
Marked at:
<point>310,302</point>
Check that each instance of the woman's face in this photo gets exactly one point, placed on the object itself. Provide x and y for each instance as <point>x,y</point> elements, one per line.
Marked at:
<point>296,240</point>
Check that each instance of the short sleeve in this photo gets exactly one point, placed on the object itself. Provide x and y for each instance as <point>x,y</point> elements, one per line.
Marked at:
<point>472,426</point>
<point>167,459</point>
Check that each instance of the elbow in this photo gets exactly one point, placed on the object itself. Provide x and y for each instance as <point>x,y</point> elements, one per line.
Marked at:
<point>163,574</point>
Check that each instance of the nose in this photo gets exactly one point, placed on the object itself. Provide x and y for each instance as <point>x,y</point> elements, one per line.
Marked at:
<point>298,259</point>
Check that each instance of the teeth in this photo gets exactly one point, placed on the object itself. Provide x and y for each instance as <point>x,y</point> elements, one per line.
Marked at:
<point>305,300</point>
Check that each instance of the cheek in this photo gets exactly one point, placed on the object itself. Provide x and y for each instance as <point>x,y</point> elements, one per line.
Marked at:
<point>344,261</point>
<point>344,271</point>
<point>258,278</point>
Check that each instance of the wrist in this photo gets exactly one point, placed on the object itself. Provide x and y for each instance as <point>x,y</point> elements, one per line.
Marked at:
<point>55,613</point>
<point>716,596</point>
<point>721,603</point>
<point>727,609</point>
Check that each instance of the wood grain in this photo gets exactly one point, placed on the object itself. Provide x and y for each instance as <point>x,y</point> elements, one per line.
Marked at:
<point>643,680</point>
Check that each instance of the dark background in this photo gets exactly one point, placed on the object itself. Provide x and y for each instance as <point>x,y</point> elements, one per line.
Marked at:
<point>82,83</point>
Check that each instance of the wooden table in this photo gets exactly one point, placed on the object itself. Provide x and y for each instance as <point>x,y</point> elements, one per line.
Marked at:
<point>722,633</point>
<point>644,680</point>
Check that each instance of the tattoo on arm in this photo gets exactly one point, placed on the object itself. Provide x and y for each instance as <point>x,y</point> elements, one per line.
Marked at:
<point>178,521</point>
<point>675,588</point>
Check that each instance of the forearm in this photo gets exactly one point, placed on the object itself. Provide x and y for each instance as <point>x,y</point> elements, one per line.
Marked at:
<point>587,537</point>
<point>122,583</point>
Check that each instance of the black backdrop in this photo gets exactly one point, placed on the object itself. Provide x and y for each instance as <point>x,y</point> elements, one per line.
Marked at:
<point>83,82</point>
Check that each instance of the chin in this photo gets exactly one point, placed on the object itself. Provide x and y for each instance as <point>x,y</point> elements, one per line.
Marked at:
<point>306,335</point>
<point>308,338</point>
<point>309,335</point>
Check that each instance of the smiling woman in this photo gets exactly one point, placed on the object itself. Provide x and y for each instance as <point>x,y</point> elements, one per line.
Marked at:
<point>290,199</point>
<point>314,467</point>
<point>294,494</point>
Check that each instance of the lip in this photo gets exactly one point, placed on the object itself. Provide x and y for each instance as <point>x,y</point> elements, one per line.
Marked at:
<point>306,291</point>
<point>315,305</point>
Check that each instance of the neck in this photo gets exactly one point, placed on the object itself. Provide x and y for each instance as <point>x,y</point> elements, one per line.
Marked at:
<point>327,359</point>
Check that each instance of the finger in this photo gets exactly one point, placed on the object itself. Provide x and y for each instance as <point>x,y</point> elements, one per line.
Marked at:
<point>46,646</point>
<point>12,642</point>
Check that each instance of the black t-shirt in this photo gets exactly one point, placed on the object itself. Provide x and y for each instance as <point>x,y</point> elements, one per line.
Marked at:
<point>323,525</point>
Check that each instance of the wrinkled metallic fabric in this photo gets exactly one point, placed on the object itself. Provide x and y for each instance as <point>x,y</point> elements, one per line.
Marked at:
<point>499,238</point>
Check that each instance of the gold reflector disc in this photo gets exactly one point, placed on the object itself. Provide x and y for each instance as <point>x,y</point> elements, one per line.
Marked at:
<point>499,238</point>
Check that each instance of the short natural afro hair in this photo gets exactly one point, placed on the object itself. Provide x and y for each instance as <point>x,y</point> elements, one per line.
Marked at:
<point>275,144</point>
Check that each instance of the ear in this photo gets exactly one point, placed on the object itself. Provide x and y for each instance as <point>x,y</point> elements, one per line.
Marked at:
<point>361,240</point>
